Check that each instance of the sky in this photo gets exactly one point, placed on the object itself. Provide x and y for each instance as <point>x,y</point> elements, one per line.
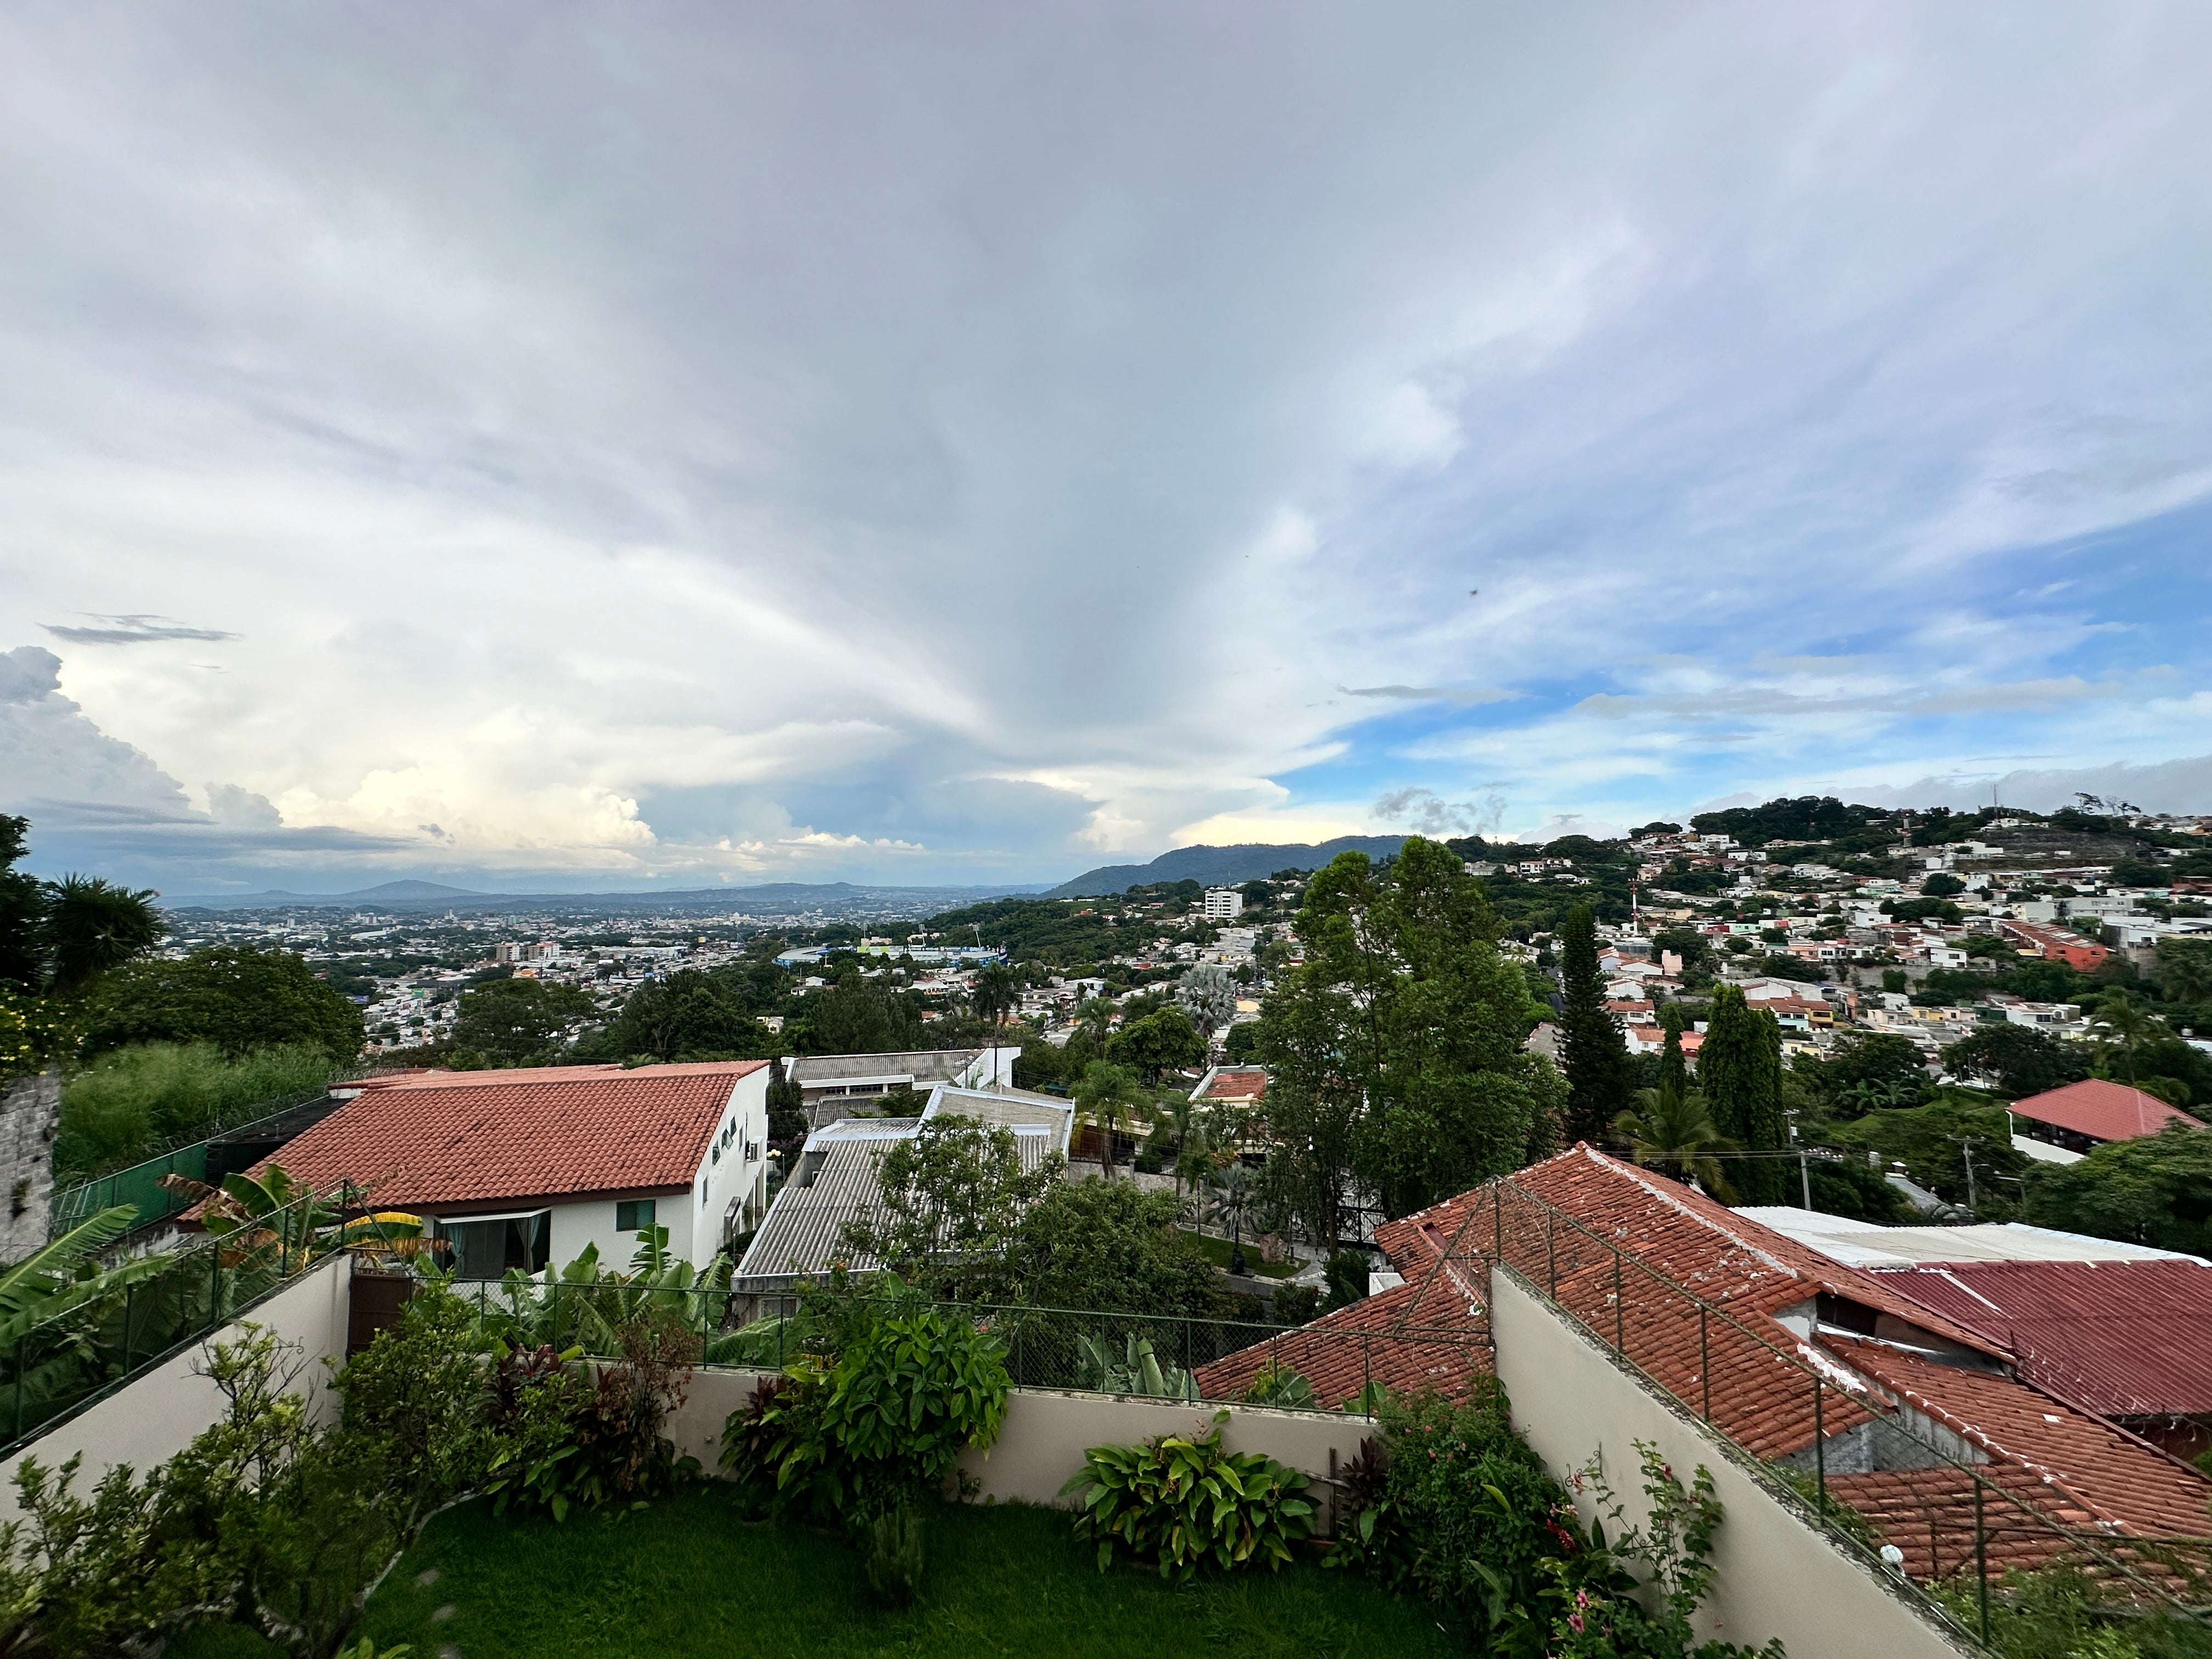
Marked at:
<point>556,446</point>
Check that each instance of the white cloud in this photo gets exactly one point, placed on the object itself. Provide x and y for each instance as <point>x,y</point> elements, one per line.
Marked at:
<point>624,480</point>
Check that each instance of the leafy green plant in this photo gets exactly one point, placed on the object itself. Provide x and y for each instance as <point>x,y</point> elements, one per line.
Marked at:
<point>1276,1385</point>
<point>877,1423</point>
<point>1179,1503</point>
<point>1137,1370</point>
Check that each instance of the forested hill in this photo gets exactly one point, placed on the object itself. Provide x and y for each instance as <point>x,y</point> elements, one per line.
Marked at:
<point>1216,866</point>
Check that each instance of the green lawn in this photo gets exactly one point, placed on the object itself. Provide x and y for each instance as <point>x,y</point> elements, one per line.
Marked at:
<point>1216,1251</point>
<point>687,1577</point>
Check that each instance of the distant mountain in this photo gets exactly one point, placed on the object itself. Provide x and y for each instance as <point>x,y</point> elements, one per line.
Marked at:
<point>1218,866</point>
<point>840,898</point>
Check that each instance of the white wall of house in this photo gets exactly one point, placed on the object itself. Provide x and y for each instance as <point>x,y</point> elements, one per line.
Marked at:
<point>1779,1574</point>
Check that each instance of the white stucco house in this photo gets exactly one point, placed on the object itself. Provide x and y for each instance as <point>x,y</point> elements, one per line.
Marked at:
<point>522,1169</point>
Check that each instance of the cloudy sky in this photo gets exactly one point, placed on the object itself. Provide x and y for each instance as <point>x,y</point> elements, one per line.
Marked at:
<point>543,444</point>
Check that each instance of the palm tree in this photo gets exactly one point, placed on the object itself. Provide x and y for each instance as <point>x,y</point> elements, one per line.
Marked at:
<point>995,994</point>
<point>1104,1098</point>
<point>1232,1190</point>
<point>2123,1026</point>
<point>1675,1134</point>
<point>91,925</point>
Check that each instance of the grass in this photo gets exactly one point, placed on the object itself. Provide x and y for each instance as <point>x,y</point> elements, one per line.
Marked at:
<point>1216,1251</point>
<point>689,1576</point>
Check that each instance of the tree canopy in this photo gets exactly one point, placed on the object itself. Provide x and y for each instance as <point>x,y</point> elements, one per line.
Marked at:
<point>1592,1050</point>
<point>1740,1073</point>
<point>687,1015</point>
<point>515,1022</point>
<point>1396,1050</point>
<point>235,996</point>
<point>2153,1190</point>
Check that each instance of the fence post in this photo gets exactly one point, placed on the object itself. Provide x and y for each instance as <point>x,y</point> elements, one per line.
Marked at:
<point>18,1435</point>
<point>1704,1362</point>
<point>215,1283</point>
<point>129,1294</point>
<point>1981,1561</point>
<point>1550,1256</point>
<point>1819,1448</point>
<point>1619,1345</point>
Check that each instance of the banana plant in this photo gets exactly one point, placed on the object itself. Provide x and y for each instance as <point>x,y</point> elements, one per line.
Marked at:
<point>65,1275</point>
<point>1136,1370</point>
<point>277,1213</point>
<point>586,1305</point>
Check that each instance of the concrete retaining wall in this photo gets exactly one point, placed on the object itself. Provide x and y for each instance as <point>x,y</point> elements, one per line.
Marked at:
<point>157,1416</point>
<point>1046,1432</point>
<point>1778,1573</point>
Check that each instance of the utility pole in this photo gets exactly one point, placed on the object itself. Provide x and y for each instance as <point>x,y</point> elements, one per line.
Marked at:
<point>1804,1169</point>
<point>1967,1146</point>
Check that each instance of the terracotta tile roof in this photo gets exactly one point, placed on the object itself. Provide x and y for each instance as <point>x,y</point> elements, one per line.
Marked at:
<point>2122,1339</point>
<point>1412,1339</point>
<point>2103,1110</point>
<point>456,1139</point>
<point>1246,1084</point>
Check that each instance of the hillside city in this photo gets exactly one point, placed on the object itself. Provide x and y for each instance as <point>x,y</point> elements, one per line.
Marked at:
<point>1911,1105</point>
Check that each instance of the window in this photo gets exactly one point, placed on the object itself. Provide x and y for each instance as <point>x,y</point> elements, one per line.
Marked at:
<point>633,1215</point>
<point>485,1247</point>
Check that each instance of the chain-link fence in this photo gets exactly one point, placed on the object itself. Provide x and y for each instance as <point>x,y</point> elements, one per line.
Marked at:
<point>76,1340</point>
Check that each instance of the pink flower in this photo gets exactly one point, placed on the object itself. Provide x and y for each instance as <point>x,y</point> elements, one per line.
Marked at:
<point>1575,1623</point>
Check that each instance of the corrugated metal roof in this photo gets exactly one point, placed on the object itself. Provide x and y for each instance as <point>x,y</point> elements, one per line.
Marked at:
<point>1872,1246</point>
<point>2122,1338</point>
<point>803,1235</point>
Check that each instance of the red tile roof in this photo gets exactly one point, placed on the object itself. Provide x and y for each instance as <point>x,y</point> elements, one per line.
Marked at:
<point>2122,1339</point>
<point>2060,1460</point>
<point>2103,1110</point>
<point>2091,1474</point>
<point>442,1140</point>
<point>1412,1339</point>
<point>1243,1084</point>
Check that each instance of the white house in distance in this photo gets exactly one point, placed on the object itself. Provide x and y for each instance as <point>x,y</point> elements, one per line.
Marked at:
<point>525,1168</point>
<point>1224,904</point>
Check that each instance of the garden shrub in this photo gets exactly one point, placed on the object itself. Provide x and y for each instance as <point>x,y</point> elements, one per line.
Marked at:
<point>564,1436</point>
<point>894,1562</point>
<point>877,1423</point>
<point>1178,1502</point>
<point>1297,1304</point>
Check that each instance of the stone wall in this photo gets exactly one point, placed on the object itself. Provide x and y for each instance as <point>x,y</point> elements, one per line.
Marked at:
<point>30,1108</point>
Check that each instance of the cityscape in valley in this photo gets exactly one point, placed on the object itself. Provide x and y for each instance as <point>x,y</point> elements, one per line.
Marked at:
<point>1248,831</point>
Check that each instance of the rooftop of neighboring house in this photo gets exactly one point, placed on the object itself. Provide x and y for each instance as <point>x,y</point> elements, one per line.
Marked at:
<point>1414,1338</point>
<point>2123,1338</point>
<point>1237,1082</point>
<point>1873,1245</point>
<point>1869,1340</point>
<point>432,1140</point>
<point>920,1066</point>
<point>2102,1110</point>
<point>834,1182</point>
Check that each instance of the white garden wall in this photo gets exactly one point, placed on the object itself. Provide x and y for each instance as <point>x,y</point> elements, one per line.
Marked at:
<point>156,1416</point>
<point>1778,1573</point>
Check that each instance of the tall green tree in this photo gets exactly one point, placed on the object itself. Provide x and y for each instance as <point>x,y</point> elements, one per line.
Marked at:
<point>515,1022</point>
<point>1162,1040</point>
<point>1740,1073</point>
<point>1395,1051</point>
<point>1593,1052</point>
<point>687,1015</point>
<point>1673,1069</point>
<point>1105,1098</point>
<point>1674,1132</point>
<point>21,907</point>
